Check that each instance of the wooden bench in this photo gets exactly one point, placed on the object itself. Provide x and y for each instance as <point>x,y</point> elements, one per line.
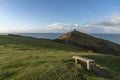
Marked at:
<point>88,61</point>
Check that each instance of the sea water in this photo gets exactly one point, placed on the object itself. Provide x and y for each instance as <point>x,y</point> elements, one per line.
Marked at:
<point>111,37</point>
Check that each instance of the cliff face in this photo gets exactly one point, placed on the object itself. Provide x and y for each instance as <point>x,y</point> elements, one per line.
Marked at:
<point>88,42</point>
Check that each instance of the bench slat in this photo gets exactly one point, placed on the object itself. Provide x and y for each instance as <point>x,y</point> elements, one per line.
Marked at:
<point>82,58</point>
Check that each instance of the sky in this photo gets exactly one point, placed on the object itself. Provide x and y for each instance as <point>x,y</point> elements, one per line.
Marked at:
<point>44,16</point>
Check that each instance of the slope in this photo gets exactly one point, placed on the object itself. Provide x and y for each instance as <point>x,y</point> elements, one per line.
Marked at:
<point>88,42</point>
<point>25,58</point>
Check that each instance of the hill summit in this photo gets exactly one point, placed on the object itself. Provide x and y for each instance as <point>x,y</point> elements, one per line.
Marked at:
<point>88,42</point>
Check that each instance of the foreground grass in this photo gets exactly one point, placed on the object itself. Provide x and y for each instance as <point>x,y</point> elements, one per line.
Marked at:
<point>24,58</point>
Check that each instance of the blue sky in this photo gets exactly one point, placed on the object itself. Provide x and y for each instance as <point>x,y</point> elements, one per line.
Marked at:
<point>101,16</point>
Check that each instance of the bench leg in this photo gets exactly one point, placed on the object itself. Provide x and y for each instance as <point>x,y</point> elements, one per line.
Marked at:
<point>88,65</point>
<point>76,61</point>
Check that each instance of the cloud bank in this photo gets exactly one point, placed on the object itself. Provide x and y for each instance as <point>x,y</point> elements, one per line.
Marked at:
<point>60,27</point>
<point>110,24</point>
<point>107,25</point>
<point>112,21</point>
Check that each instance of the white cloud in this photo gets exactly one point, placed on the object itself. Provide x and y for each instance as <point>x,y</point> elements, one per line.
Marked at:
<point>108,25</point>
<point>59,27</point>
<point>110,22</point>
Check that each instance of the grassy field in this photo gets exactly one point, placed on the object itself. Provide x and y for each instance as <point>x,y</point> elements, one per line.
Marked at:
<point>25,58</point>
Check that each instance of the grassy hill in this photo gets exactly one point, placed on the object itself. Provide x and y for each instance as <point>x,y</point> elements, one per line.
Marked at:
<point>88,42</point>
<point>25,58</point>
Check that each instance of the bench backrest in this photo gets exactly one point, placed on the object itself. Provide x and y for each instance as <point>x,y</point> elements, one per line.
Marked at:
<point>83,59</point>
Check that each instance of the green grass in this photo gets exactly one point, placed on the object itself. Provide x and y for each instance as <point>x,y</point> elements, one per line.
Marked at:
<point>24,58</point>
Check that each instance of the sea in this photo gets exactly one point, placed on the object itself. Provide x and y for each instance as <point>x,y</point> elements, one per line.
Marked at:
<point>107,36</point>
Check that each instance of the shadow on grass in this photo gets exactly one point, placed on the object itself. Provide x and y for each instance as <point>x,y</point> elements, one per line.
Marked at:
<point>107,62</point>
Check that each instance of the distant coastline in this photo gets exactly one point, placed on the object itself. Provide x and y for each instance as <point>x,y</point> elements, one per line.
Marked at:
<point>108,36</point>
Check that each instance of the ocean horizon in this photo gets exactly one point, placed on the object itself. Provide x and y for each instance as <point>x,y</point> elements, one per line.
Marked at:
<point>107,36</point>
